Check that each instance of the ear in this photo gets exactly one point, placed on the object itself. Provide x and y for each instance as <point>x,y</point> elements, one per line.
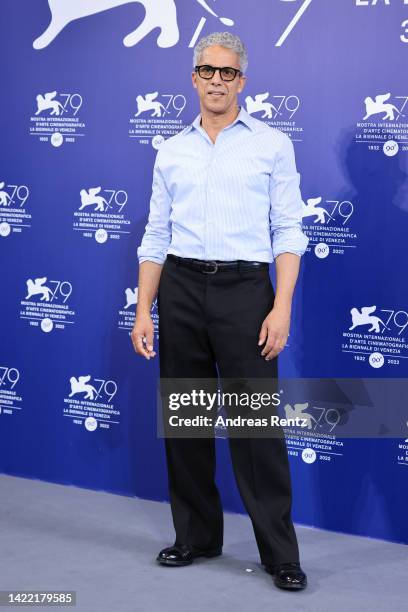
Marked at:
<point>242,81</point>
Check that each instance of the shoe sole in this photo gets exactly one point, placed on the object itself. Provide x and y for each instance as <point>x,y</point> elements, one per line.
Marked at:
<point>291,587</point>
<point>207,553</point>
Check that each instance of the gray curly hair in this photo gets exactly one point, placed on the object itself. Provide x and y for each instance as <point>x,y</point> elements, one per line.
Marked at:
<point>225,39</point>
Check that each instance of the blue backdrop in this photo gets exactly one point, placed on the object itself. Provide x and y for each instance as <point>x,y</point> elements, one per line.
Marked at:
<point>89,91</point>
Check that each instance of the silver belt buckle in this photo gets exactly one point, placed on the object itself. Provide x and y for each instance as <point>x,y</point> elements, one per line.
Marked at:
<point>214,263</point>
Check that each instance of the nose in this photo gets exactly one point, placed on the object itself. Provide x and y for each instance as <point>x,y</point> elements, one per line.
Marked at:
<point>216,79</point>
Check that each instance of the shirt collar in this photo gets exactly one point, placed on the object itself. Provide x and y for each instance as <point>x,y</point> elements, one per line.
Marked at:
<point>243,116</point>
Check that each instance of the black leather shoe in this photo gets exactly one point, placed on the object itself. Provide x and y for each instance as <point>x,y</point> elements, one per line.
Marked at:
<point>288,575</point>
<point>184,555</point>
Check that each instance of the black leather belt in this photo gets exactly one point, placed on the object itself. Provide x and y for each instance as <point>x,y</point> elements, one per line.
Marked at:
<point>213,266</point>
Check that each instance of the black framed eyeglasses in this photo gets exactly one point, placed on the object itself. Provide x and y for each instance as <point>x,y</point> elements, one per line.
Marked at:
<point>226,73</point>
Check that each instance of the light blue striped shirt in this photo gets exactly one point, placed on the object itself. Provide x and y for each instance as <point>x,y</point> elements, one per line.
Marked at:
<point>236,199</point>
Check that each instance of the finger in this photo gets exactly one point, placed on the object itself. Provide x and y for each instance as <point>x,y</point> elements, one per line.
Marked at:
<point>272,354</point>
<point>149,341</point>
<point>138,344</point>
<point>270,343</point>
<point>272,350</point>
<point>148,347</point>
<point>267,348</point>
<point>278,348</point>
<point>263,334</point>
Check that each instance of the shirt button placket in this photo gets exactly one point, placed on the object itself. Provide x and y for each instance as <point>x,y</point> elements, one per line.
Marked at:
<point>209,196</point>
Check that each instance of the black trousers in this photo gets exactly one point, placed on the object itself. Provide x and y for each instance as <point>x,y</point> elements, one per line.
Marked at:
<point>208,321</point>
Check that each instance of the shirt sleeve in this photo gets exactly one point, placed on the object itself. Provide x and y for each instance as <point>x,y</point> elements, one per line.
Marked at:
<point>157,235</point>
<point>286,203</point>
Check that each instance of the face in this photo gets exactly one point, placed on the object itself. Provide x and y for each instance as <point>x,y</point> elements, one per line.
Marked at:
<point>218,96</point>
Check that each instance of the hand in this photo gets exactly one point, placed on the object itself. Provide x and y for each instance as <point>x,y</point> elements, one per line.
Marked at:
<point>143,329</point>
<point>275,330</point>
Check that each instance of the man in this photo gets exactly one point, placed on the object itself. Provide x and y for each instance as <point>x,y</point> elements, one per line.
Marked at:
<point>222,187</point>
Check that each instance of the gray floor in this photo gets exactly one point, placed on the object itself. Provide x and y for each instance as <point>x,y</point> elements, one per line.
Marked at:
<point>103,546</point>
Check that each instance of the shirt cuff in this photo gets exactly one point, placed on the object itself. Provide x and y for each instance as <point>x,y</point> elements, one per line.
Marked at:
<point>289,240</point>
<point>153,258</point>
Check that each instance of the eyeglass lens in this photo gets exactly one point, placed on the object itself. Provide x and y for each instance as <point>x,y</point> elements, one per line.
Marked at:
<point>207,72</point>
